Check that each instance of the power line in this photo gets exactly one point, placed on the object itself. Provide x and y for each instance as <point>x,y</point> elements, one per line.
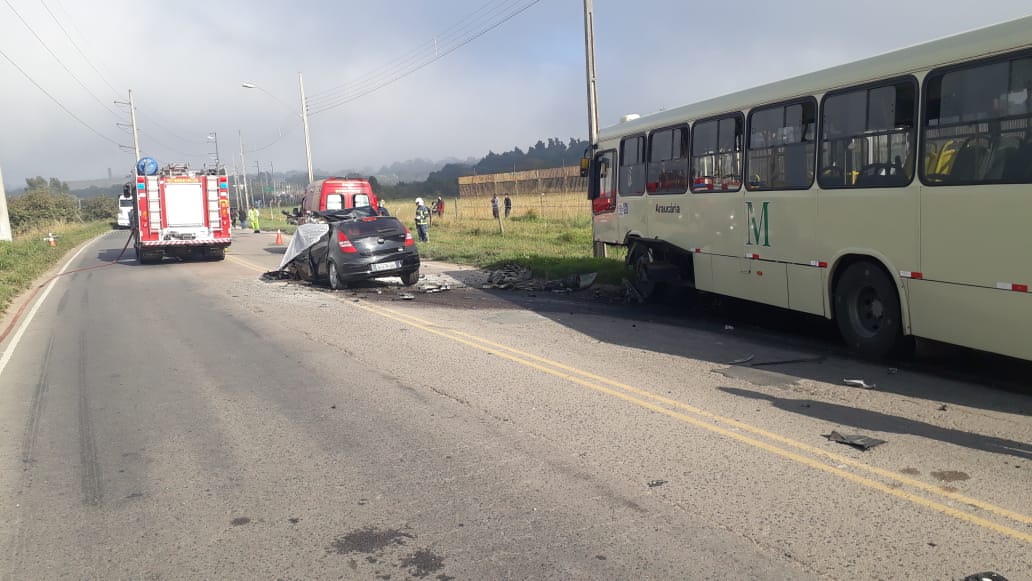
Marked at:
<point>58,59</point>
<point>490,15</point>
<point>58,103</point>
<point>414,53</point>
<point>74,44</point>
<point>378,81</point>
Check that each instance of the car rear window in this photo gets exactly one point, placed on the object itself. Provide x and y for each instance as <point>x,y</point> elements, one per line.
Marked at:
<point>380,226</point>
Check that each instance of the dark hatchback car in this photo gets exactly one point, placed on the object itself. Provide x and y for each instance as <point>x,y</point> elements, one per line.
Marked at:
<point>357,246</point>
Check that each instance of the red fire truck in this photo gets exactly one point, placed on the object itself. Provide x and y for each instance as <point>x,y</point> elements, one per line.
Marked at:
<point>181,213</point>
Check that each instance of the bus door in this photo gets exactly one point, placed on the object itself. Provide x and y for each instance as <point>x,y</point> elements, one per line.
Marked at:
<point>631,205</point>
<point>602,191</point>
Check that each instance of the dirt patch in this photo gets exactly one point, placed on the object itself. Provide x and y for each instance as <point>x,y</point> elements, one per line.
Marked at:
<point>422,563</point>
<point>368,540</point>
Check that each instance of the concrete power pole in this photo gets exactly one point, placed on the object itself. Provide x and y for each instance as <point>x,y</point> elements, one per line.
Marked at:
<point>132,118</point>
<point>304,119</point>
<point>243,170</point>
<point>599,249</point>
<point>5,219</point>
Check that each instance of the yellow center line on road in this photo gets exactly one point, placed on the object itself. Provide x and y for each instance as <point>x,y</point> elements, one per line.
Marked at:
<point>593,381</point>
<point>930,488</point>
<point>243,262</point>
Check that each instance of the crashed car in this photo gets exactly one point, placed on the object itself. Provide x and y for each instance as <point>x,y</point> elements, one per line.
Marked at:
<point>352,245</point>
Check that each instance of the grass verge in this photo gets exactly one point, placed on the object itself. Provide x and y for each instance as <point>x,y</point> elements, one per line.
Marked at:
<point>29,256</point>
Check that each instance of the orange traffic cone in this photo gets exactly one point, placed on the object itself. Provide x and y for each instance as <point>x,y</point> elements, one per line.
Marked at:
<point>50,239</point>
<point>279,237</point>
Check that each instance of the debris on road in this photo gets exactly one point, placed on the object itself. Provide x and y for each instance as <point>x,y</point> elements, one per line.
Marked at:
<point>434,288</point>
<point>633,294</point>
<point>655,483</point>
<point>745,359</point>
<point>859,383</point>
<point>987,576</point>
<point>729,327</point>
<point>817,359</point>
<point>893,371</point>
<point>857,441</point>
<point>407,297</point>
<point>943,408</point>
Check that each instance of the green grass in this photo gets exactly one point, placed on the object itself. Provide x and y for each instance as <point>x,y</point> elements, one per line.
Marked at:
<point>29,256</point>
<point>553,242</point>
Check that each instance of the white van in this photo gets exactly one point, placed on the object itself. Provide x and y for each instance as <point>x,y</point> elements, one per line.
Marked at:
<point>125,206</point>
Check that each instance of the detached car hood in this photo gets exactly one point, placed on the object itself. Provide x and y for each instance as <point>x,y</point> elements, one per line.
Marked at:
<point>306,236</point>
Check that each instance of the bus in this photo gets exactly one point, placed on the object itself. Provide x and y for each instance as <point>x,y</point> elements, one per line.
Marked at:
<point>890,194</point>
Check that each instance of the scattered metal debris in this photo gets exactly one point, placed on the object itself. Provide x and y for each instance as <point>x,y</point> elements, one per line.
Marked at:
<point>655,483</point>
<point>987,576</point>
<point>407,297</point>
<point>729,327</point>
<point>857,441</point>
<point>943,408</point>
<point>893,371</point>
<point>633,294</point>
<point>745,359</point>
<point>859,383</point>
<point>788,361</point>
<point>434,288</point>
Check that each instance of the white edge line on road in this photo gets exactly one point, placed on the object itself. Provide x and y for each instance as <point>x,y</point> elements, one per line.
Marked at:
<point>9,352</point>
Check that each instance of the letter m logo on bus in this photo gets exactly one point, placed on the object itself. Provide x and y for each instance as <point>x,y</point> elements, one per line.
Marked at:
<point>757,227</point>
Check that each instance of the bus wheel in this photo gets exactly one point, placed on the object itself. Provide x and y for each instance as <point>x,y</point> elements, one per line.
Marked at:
<point>867,311</point>
<point>639,259</point>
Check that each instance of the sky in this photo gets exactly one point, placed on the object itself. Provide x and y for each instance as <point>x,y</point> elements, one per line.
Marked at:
<point>521,81</point>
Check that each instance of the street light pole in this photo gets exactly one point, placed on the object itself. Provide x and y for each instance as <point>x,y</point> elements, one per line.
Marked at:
<point>304,119</point>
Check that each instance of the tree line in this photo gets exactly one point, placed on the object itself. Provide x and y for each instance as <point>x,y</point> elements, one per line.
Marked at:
<point>47,201</point>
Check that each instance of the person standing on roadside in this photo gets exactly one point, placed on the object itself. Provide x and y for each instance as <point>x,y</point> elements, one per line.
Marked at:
<point>494,206</point>
<point>254,215</point>
<point>242,216</point>
<point>422,220</point>
<point>508,205</point>
<point>439,206</point>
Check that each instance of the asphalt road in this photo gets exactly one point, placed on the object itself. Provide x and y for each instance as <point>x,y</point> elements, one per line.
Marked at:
<point>191,421</point>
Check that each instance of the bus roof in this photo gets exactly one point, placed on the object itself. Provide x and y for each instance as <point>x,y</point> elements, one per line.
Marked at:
<point>969,45</point>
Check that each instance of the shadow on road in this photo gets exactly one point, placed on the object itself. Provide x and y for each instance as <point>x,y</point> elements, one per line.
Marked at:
<point>862,419</point>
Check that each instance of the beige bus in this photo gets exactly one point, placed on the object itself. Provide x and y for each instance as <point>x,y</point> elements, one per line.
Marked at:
<point>891,194</point>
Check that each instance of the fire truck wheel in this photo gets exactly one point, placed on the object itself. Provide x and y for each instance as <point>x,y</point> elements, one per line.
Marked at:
<point>331,269</point>
<point>868,313</point>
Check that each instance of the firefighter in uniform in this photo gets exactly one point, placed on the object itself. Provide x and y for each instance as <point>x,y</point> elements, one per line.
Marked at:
<point>253,215</point>
<point>422,220</point>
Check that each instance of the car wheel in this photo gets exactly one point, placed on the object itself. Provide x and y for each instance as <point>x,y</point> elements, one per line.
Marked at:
<point>410,278</point>
<point>334,276</point>
<point>867,311</point>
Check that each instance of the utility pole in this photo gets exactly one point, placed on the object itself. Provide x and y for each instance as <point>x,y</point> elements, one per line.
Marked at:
<point>589,52</point>
<point>243,170</point>
<point>599,249</point>
<point>304,119</point>
<point>132,117</point>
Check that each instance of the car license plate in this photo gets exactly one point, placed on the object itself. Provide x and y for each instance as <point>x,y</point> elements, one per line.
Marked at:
<point>381,266</point>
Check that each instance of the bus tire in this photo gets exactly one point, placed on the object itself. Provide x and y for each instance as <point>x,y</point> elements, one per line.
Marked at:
<point>867,311</point>
<point>639,257</point>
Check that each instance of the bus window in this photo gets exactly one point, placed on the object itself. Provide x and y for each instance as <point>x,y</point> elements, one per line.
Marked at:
<point>868,136</point>
<point>668,161</point>
<point>632,166</point>
<point>977,127</point>
<point>717,155</point>
<point>781,150</point>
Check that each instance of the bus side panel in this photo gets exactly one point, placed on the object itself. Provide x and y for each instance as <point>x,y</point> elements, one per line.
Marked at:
<point>805,289</point>
<point>668,218</point>
<point>606,228</point>
<point>753,280</point>
<point>702,264</point>
<point>976,234</point>
<point>980,318</point>
<point>632,215</point>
